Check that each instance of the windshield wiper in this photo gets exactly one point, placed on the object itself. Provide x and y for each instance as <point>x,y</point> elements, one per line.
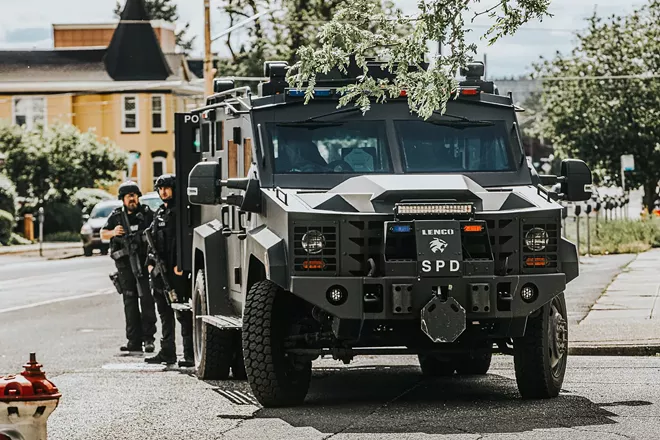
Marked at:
<point>462,124</point>
<point>462,121</point>
<point>314,118</point>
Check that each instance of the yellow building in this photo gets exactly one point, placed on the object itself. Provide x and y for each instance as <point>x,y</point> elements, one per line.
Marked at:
<point>124,80</point>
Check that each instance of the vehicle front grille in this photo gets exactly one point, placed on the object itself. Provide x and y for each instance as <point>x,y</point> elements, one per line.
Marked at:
<point>328,255</point>
<point>362,240</point>
<point>549,255</point>
<point>503,233</point>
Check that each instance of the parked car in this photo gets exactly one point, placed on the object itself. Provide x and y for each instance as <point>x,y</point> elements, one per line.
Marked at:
<point>90,233</point>
<point>152,200</point>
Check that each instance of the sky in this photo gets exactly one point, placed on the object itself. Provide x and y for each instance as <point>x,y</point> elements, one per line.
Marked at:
<point>27,24</point>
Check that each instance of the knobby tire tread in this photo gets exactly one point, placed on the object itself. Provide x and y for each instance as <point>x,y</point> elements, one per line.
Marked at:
<point>260,364</point>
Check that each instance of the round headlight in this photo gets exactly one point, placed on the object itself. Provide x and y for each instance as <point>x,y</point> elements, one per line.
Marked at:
<point>536,239</point>
<point>313,242</point>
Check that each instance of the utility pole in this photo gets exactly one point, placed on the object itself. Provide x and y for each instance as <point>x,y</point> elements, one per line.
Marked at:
<point>208,57</point>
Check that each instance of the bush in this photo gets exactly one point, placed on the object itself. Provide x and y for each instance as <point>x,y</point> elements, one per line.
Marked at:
<point>7,195</point>
<point>16,239</point>
<point>60,217</point>
<point>6,226</point>
<point>86,198</point>
<point>67,236</point>
<point>617,236</point>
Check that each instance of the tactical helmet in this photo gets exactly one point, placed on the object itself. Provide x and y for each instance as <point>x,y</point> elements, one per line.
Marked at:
<point>165,180</point>
<point>128,187</point>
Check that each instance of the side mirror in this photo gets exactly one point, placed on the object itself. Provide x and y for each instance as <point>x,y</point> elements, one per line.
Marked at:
<point>250,201</point>
<point>203,186</point>
<point>576,182</point>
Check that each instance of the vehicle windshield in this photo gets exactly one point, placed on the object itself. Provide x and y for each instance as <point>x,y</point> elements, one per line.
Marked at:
<point>449,148</point>
<point>102,211</point>
<point>152,202</point>
<point>330,147</point>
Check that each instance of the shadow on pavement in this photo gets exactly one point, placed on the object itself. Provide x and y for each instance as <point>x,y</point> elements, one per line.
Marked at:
<point>399,400</point>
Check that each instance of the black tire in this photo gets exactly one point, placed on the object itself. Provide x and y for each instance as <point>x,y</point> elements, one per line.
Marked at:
<point>540,356</point>
<point>213,347</point>
<point>474,364</point>
<point>88,250</point>
<point>276,378</point>
<point>238,365</point>
<point>433,367</point>
<point>104,250</point>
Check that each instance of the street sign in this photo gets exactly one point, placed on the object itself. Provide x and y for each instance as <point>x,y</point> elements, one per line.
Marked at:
<point>628,162</point>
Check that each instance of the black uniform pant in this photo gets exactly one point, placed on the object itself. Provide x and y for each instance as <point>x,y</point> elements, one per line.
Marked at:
<point>139,310</point>
<point>167,342</point>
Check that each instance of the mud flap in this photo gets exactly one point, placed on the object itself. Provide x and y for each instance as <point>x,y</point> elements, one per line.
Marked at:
<point>443,320</point>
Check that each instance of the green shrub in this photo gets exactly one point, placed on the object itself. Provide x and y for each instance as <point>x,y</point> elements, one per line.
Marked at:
<point>616,236</point>
<point>86,198</point>
<point>16,239</point>
<point>6,226</point>
<point>7,195</point>
<point>67,236</point>
<point>60,217</point>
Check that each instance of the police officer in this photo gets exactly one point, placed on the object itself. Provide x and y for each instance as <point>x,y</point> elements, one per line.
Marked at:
<point>140,325</point>
<point>163,230</point>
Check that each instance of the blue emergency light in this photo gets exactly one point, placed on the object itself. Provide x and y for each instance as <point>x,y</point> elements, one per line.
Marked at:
<point>401,228</point>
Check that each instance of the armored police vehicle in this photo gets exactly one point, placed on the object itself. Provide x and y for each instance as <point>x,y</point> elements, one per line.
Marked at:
<point>316,231</point>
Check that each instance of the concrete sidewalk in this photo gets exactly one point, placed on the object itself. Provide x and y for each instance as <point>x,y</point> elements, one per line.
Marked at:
<point>54,250</point>
<point>626,318</point>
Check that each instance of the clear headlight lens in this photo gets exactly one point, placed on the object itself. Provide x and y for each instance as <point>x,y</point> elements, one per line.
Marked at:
<point>86,229</point>
<point>313,242</point>
<point>536,239</point>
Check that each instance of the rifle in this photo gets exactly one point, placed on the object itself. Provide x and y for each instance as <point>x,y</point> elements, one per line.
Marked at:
<point>132,245</point>
<point>170,293</point>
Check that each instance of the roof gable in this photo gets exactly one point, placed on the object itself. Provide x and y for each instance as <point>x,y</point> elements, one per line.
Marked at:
<point>134,53</point>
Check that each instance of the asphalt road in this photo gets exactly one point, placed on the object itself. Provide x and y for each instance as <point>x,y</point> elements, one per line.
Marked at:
<point>44,308</point>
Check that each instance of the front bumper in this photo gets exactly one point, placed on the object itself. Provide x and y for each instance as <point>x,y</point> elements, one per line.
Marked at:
<point>403,298</point>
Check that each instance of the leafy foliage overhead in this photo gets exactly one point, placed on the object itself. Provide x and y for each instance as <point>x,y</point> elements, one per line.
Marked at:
<point>360,29</point>
<point>51,164</point>
<point>290,25</point>
<point>167,11</point>
<point>603,99</point>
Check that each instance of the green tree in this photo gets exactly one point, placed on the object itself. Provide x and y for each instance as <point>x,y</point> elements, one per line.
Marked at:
<point>167,11</point>
<point>359,29</point>
<point>603,99</point>
<point>278,35</point>
<point>51,164</point>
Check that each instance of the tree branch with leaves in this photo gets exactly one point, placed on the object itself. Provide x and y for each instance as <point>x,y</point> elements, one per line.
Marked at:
<point>359,30</point>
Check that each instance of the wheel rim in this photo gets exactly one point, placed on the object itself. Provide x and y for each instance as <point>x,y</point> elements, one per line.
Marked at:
<point>197,333</point>
<point>558,338</point>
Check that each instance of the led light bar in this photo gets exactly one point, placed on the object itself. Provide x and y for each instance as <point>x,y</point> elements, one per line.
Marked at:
<point>434,208</point>
<point>316,92</point>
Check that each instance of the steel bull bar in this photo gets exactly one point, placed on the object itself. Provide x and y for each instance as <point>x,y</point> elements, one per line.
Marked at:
<point>435,289</point>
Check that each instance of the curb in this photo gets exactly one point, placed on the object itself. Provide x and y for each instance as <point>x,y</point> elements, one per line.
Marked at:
<point>19,251</point>
<point>614,350</point>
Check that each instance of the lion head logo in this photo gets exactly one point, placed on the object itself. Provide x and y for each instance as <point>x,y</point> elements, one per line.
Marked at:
<point>438,245</point>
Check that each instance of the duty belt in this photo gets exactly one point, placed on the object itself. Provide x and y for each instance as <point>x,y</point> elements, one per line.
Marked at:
<point>116,255</point>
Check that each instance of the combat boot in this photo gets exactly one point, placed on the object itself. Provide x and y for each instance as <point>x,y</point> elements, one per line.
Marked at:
<point>161,358</point>
<point>131,347</point>
<point>188,353</point>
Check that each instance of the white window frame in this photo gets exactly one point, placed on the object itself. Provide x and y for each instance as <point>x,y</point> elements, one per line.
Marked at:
<point>29,118</point>
<point>163,113</point>
<point>158,159</point>
<point>139,171</point>
<point>124,128</point>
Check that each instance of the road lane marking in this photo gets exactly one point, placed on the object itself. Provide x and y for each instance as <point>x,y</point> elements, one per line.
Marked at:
<point>56,300</point>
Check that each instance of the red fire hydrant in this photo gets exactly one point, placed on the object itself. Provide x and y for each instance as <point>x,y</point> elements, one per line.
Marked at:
<point>26,402</point>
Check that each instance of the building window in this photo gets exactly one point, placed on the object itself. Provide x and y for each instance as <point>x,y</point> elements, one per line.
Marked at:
<point>159,161</point>
<point>29,111</point>
<point>134,167</point>
<point>158,113</point>
<point>129,114</point>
